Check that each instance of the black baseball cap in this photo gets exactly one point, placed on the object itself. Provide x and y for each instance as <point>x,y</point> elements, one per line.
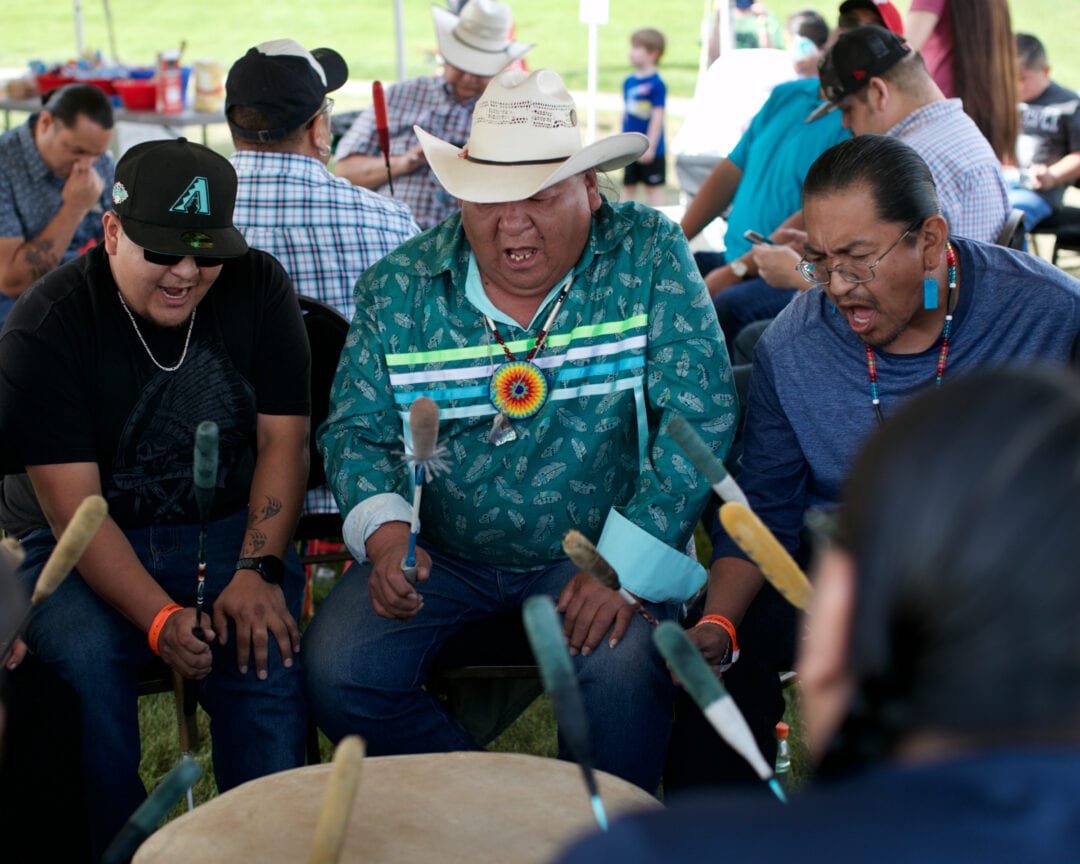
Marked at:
<point>284,81</point>
<point>177,197</point>
<point>856,57</point>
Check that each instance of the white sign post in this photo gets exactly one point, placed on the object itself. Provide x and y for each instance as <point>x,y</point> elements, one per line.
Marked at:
<point>594,13</point>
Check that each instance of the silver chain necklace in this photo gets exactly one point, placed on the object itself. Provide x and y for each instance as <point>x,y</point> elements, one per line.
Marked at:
<point>149,353</point>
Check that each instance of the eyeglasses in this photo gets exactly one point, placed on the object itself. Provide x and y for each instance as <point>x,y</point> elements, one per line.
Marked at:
<point>326,109</point>
<point>172,260</point>
<point>854,272</point>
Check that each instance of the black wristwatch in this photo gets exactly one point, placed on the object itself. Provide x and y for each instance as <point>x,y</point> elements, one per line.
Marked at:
<point>270,567</point>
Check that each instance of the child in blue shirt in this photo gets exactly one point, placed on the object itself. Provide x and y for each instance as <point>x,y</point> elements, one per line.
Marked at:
<point>645,93</point>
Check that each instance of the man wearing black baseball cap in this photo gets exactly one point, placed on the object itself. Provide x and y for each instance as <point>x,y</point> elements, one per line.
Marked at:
<point>881,86</point>
<point>324,230</point>
<point>109,364</point>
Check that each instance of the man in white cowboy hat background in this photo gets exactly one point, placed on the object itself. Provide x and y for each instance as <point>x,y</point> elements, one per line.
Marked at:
<point>474,46</point>
<point>558,334</point>
<point>108,365</point>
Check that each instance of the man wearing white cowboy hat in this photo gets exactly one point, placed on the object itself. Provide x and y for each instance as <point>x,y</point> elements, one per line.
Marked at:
<point>558,334</point>
<point>474,46</point>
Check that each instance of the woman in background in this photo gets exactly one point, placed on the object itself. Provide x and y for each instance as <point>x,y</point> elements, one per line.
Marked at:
<point>969,49</point>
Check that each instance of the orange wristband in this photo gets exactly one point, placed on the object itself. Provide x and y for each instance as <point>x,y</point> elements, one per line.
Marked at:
<point>158,623</point>
<point>721,621</point>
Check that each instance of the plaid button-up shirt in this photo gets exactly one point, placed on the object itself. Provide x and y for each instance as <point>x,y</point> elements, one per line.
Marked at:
<point>322,229</point>
<point>428,103</point>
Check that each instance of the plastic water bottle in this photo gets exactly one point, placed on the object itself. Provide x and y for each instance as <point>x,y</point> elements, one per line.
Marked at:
<point>783,755</point>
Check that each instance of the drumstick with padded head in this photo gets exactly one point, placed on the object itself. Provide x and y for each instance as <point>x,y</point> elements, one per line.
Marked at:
<point>557,672</point>
<point>338,803</point>
<point>425,457</point>
<point>80,530</point>
<point>146,818</point>
<point>723,484</point>
<point>382,128</point>
<point>712,698</point>
<point>757,541</point>
<point>581,551</point>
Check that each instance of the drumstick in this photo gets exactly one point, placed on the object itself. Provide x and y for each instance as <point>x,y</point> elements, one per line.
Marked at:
<point>557,672</point>
<point>80,530</point>
<point>205,471</point>
<point>424,429</point>
<point>146,818</point>
<point>338,803</point>
<point>582,552</point>
<point>712,698</point>
<point>382,128</point>
<point>757,541</point>
<point>723,484</point>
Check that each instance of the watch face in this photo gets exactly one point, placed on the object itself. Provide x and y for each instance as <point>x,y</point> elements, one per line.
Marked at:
<point>739,268</point>
<point>272,569</point>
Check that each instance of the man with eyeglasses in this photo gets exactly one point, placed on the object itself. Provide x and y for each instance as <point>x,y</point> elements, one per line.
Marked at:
<point>896,304</point>
<point>880,86</point>
<point>107,366</point>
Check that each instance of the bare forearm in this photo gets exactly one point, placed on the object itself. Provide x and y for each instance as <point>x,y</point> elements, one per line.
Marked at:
<point>733,584</point>
<point>27,261</point>
<point>277,491</point>
<point>370,171</point>
<point>1066,170</point>
<point>713,197</point>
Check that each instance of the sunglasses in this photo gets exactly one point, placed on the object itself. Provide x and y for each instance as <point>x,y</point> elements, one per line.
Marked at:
<point>172,260</point>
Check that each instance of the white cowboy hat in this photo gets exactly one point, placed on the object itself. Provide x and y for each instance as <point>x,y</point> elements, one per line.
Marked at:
<point>525,137</point>
<point>477,41</point>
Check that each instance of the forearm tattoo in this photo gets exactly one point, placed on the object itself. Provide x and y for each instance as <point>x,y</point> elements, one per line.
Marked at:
<point>40,257</point>
<point>255,539</point>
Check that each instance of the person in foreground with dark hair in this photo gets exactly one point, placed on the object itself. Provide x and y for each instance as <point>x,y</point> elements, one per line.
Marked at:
<point>896,305</point>
<point>940,678</point>
<point>55,182</point>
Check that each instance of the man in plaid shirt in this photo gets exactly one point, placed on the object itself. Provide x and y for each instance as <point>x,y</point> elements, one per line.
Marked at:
<point>322,229</point>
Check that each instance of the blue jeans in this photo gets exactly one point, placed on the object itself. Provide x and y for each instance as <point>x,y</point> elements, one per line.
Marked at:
<point>365,673</point>
<point>258,727</point>
<point>747,302</point>
<point>1035,207</point>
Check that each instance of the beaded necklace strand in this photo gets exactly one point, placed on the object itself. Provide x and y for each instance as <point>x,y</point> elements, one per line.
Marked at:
<point>943,352</point>
<point>541,338</point>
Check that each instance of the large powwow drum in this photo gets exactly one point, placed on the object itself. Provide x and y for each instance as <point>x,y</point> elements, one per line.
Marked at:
<point>445,807</point>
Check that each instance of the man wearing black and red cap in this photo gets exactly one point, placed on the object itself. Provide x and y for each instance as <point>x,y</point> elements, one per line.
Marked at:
<point>108,365</point>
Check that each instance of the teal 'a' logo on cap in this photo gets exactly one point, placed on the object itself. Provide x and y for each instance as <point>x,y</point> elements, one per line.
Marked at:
<point>195,199</point>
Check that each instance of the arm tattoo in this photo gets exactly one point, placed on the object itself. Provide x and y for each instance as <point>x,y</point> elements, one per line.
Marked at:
<point>40,257</point>
<point>268,511</point>
<point>253,543</point>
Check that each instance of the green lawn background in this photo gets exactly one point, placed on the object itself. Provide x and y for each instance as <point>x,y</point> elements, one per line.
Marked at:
<point>363,31</point>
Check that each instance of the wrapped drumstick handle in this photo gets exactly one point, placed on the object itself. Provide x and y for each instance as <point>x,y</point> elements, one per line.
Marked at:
<point>581,551</point>
<point>338,803</point>
<point>757,541</point>
<point>84,524</point>
<point>424,431</point>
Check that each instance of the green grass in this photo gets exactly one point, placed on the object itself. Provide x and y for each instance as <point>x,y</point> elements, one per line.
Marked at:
<point>364,33</point>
